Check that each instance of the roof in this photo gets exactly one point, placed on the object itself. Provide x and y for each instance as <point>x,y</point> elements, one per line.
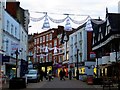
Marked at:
<point>114,20</point>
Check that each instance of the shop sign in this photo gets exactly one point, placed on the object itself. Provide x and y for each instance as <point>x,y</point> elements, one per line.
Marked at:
<point>92,55</point>
<point>14,47</point>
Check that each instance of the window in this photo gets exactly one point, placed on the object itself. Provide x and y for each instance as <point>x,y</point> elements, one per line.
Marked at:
<point>80,36</point>
<point>50,45</point>
<point>7,45</point>
<point>8,25</point>
<point>40,39</point>
<point>12,29</point>
<point>55,42</point>
<point>43,38</point>
<point>22,35</point>
<point>37,40</point>
<point>25,39</point>
<point>15,31</point>
<point>50,36</point>
<point>46,37</point>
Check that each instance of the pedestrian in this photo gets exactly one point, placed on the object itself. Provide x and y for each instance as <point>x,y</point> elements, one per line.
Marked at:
<point>45,75</point>
<point>50,75</point>
<point>41,75</point>
<point>70,74</point>
<point>61,74</point>
<point>64,74</point>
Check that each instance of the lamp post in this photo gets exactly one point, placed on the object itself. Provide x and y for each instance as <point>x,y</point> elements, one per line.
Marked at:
<point>77,76</point>
<point>16,52</point>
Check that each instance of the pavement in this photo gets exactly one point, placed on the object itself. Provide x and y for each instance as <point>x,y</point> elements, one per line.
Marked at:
<point>56,83</point>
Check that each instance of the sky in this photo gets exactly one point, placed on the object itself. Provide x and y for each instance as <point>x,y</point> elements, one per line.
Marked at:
<point>55,9</point>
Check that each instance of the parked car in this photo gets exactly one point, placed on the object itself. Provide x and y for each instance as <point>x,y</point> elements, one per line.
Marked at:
<point>33,75</point>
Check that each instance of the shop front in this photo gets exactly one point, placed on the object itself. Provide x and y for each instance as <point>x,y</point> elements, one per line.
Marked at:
<point>43,66</point>
<point>56,69</point>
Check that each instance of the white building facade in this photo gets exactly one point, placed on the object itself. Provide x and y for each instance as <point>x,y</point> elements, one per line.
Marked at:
<point>77,41</point>
<point>14,38</point>
<point>78,51</point>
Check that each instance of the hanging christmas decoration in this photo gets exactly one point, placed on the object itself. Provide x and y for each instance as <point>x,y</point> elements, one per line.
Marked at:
<point>88,26</point>
<point>68,25</point>
<point>46,24</point>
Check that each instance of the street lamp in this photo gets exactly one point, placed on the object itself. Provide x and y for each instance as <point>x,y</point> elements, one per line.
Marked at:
<point>77,72</point>
<point>16,52</point>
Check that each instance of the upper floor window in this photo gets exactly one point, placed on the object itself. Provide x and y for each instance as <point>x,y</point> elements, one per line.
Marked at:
<point>43,38</point>
<point>22,35</point>
<point>50,36</point>
<point>25,39</point>
<point>37,40</point>
<point>46,37</point>
<point>8,23</point>
<point>11,28</point>
<point>80,35</point>
<point>50,45</point>
<point>40,39</point>
<point>15,31</point>
<point>55,42</point>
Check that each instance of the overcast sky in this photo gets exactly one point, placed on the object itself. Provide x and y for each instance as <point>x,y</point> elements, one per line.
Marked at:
<point>94,8</point>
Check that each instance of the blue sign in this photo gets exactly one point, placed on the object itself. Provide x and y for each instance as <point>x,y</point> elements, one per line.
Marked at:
<point>5,58</point>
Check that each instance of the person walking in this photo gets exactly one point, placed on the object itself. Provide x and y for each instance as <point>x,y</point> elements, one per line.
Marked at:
<point>50,75</point>
<point>41,75</point>
<point>64,74</point>
<point>61,74</point>
<point>70,74</point>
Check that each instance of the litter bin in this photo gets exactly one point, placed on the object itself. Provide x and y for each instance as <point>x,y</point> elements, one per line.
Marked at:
<point>90,80</point>
<point>17,83</point>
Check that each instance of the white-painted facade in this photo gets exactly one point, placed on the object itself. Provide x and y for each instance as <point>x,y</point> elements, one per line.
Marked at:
<point>78,41</point>
<point>1,24</point>
<point>14,36</point>
<point>23,43</point>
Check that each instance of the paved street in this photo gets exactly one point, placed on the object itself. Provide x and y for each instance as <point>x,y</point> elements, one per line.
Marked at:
<point>56,83</point>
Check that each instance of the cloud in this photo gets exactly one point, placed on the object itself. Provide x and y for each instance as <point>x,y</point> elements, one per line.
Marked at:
<point>94,8</point>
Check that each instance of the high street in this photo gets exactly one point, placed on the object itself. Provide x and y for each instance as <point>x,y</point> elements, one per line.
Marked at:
<point>56,83</point>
